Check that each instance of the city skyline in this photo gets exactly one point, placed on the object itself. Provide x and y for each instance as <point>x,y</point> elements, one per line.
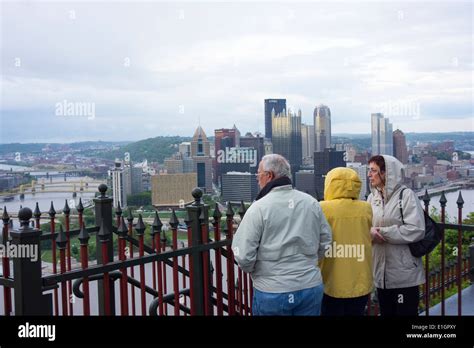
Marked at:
<point>213,64</point>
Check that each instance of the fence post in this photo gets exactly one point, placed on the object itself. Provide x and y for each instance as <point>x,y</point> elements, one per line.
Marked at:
<point>103,217</point>
<point>204,220</point>
<point>194,212</point>
<point>471,261</point>
<point>29,298</point>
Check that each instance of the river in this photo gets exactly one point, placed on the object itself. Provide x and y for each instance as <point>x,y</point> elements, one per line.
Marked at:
<point>14,168</point>
<point>451,206</point>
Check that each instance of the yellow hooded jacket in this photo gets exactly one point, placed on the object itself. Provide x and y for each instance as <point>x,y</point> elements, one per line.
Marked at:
<point>347,265</point>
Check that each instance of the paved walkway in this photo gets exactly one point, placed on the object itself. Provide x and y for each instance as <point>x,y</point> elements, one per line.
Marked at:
<point>451,304</point>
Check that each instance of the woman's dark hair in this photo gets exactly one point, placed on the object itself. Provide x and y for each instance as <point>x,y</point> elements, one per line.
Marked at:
<point>378,160</point>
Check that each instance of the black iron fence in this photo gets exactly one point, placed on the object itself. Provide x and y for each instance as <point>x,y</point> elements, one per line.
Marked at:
<point>197,276</point>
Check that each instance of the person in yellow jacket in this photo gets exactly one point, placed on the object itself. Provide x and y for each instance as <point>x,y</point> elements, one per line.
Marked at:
<point>347,265</point>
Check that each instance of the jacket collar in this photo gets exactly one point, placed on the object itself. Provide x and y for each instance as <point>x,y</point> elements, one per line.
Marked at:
<point>278,182</point>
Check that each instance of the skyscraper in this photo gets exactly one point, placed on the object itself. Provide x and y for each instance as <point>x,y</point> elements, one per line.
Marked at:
<point>200,145</point>
<point>239,186</point>
<point>224,138</point>
<point>307,141</point>
<point>277,106</point>
<point>322,128</point>
<point>400,150</point>
<point>118,188</point>
<point>382,135</point>
<point>256,142</point>
<point>200,152</point>
<point>304,182</point>
<point>203,168</point>
<point>286,137</point>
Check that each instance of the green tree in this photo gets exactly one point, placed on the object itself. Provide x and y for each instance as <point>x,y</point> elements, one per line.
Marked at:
<point>139,199</point>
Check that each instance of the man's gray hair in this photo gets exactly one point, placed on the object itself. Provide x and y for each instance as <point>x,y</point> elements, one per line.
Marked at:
<point>277,164</point>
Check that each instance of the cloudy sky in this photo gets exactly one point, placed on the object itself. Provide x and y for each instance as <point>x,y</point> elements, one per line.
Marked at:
<point>73,71</point>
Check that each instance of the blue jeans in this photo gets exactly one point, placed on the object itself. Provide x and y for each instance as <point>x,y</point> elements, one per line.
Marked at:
<point>301,302</point>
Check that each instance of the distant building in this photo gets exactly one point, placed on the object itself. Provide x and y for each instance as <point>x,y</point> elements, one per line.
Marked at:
<point>286,138</point>
<point>202,160</point>
<point>307,142</point>
<point>238,159</point>
<point>382,135</point>
<point>351,153</point>
<point>440,170</point>
<point>400,150</point>
<point>119,194</point>
<point>137,180</point>
<point>361,158</point>
<point>322,128</point>
<point>323,163</point>
<point>132,180</point>
<point>256,142</point>
<point>185,149</point>
<point>304,182</point>
<point>276,106</point>
<point>200,145</point>
<point>238,186</point>
<point>453,175</point>
<point>237,167</point>
<point>446,146</point>
<point>146,181</point>
<point>415,170</point>
<point>421,181</point>
<point>361,170</point>
<point>178,164</point>
<point>171,190</point>
<point>188,165</point>
<point>9,181</point>
<point>203,168</point>
<point>224,138</point>
<point>429,161</point>
<point>268,146</point>
<point>174,165</point>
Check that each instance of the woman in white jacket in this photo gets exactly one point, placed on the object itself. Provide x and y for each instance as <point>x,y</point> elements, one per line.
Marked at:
<point>397,273</point>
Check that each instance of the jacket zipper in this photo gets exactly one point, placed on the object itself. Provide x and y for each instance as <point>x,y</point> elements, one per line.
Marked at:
<point>385,256</point>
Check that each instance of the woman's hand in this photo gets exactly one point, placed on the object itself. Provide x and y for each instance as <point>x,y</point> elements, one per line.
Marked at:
<point>377,238</point>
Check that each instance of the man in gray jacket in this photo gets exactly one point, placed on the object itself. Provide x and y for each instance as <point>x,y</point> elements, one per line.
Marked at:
<point>279,242</point>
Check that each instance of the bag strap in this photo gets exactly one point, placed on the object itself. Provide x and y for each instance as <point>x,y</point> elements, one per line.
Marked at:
<point>400,203</point>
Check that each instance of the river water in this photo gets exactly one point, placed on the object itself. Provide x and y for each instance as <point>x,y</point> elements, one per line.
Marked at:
<point>44,198</point>
<point>14,168</point>
<point>451,206</point>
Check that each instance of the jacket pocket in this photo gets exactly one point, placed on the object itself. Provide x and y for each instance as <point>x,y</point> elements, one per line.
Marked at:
<point>408,260</point>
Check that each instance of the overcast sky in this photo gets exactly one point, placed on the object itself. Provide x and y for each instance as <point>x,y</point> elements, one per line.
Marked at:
<point>159,68</point>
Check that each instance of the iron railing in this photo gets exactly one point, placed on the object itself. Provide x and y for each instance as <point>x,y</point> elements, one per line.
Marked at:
<point>200,278</point>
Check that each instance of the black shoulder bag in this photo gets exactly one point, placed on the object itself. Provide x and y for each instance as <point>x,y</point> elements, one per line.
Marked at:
<point>432,237</point>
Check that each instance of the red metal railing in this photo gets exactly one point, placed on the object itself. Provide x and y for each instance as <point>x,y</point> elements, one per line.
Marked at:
<point>222,288</point>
